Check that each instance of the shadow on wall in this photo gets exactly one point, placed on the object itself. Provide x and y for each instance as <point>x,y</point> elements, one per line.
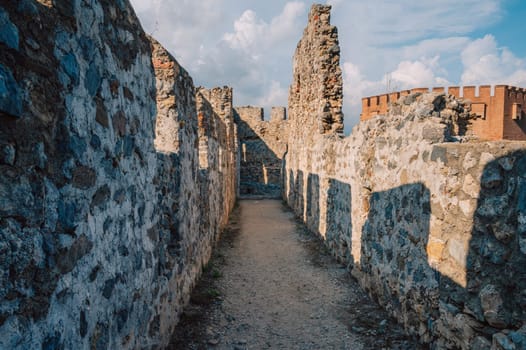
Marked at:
<point>394,261</point>
<point>339,223</point>
<point>337,211</point>
<point>393,253</point>
<point>296,195</point>
<point>313,203</point>
<point>260,167</point>
<point>215,147</point>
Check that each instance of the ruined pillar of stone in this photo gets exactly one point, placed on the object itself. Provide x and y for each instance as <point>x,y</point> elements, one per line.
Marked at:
<point>315,96</point>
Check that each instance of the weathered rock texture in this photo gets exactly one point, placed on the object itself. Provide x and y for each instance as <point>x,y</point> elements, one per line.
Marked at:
<point>263,145</point>
<point>219,163</point>
<point>497,116</point>
<point>116,177</point>
<point>101,234</point>
<point>316,88</point>
<point>431,227</point>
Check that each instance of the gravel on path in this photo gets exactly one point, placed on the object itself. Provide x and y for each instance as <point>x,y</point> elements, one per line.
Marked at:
<point>272,285</point>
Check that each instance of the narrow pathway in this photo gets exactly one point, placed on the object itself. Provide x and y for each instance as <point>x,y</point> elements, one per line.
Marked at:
<point>271,285</point>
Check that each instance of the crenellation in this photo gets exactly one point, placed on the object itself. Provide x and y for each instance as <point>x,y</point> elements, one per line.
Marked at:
<point>468,92</point>
<point>250,113</point>
<point>421,90</point>
<point>383,102</point>
<point>263,144</point>
<point>394,96</point>
<point>278,114</point>
<point>484,91</point>
<point>491,112</point>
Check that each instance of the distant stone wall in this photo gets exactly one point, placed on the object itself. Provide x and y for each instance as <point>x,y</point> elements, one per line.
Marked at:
<point>103,229</point>
<point>431,227</point>
<point>262,146</point>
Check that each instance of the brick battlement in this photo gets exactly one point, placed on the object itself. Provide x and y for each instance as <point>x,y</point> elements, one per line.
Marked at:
<point>501,115</point>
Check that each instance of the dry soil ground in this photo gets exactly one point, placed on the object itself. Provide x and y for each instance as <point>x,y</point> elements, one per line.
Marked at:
<point>272,285</point>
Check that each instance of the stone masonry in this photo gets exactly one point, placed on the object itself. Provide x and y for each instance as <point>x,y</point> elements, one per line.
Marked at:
<point>219,165</point>
<point>263,145</point>
<point>117,177</point>
<point>431,227</point>
<point>103,225</point>
<point>314,76</point>
<point>497,116</point>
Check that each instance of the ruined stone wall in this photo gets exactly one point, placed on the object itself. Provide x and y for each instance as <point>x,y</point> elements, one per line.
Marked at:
<point>316,89</point>
<point>497,116</point>
<point>315,100</point>
<point>263,145</point>
<point>101,233</point>
<point>219,171</point>
<point>431,227</point>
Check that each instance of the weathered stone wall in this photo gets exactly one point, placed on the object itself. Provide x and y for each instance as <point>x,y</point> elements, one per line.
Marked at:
<point>497,116</point>
<point>219,171</point>
<point>431,227</point>
<point>316,88</point>
<point>101,234</point>
<point>263,145</point>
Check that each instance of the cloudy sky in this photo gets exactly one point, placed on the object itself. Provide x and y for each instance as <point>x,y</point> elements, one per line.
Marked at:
<point>386,45</point>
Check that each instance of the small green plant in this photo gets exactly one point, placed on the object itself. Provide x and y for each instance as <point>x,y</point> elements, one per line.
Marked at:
<point>216,273</point>
<point>207,267</point>
<point>213,293</point>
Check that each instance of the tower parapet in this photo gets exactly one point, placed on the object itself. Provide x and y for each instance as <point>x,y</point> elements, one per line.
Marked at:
<point>500,114</point>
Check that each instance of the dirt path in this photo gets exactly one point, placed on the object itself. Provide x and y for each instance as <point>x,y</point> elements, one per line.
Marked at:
<point>271,285</point>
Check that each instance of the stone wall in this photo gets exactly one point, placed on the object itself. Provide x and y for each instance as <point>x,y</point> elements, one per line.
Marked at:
<point>103,229</point>
<point>220,167</point>
<point>431,227</point>
<point>497,116</point>
<point>263,145</point>
<point>316,88</point>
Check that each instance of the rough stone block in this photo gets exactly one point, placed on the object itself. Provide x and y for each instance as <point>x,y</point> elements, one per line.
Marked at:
<point>93,79</point>
<point>71,67</point>
<point>8,31</point>
<point>10,93</point>
<point>493,307</point>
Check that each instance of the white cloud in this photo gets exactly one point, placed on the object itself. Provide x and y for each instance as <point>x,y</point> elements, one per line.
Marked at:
<point>255,36</point>
<point>421,73</point>
<point>334,3</point>
<point>248,29</point>
<point>434,47</point>
<point>382,33</point>
<point>249,44</point>
<point>485,63</point>
<point>285,26</point>
<point>408,74</point>
<point>274,95</point>
<point>181,25</point>
<point>404,20</point>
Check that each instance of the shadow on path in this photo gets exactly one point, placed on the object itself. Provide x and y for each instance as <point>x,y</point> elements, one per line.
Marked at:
<point>272,284</point>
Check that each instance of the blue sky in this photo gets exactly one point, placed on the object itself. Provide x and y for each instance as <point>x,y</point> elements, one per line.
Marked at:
<point>249,44</point>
